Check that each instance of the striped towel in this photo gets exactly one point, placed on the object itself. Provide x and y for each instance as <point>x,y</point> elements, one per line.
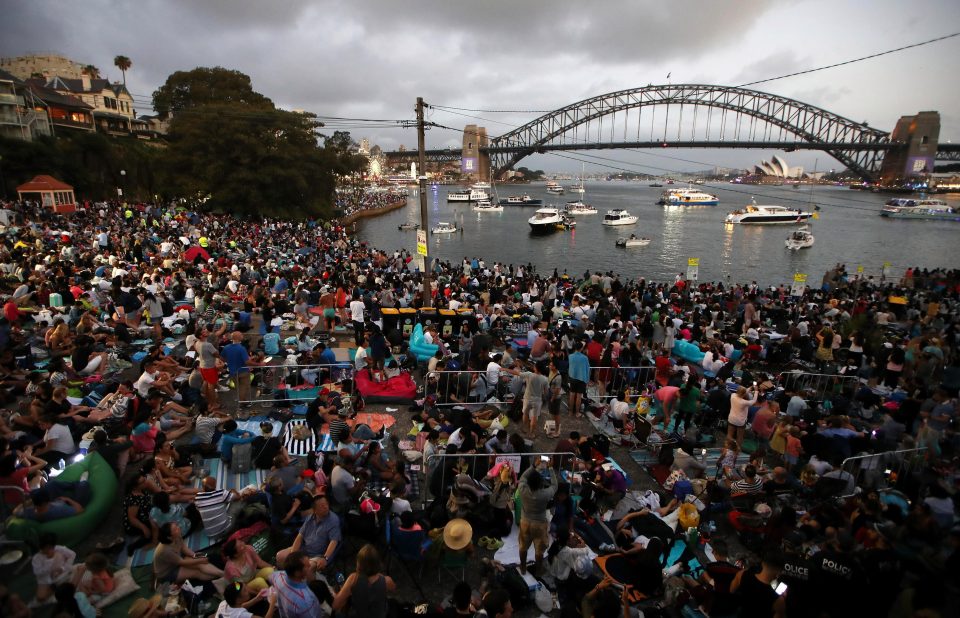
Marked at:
<point>228,479</point>
<point>298,448</point>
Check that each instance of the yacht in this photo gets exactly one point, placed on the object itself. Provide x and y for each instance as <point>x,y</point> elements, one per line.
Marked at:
<point>481,186</point>
<point>768,215</point>
<point>619,216</point>
<point>554,189</point>
<point>578,188</point>
<point>579,208</point>
<point>488,206</point>
<point>688,197</point>
<point>443,227</point>
<point>800,239</point>
<point>521,200</point>
<point>909,208</point>
<point>408,226</point>
<point>458,196</point>
<point>545,220</point>
<point>633,241</point>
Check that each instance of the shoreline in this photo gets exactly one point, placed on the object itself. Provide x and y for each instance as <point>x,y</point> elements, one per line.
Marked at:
<point>373,212</point>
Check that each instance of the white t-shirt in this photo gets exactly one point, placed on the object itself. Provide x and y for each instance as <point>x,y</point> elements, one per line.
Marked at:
<point>356,310</point>
<point>225,611</point>
<point>144,382</point>
<point>360,360</point>
<point>50,570</point>
<point>58,438</point>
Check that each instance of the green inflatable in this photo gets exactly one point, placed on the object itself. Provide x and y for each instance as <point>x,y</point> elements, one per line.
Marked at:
<point>71,530</point>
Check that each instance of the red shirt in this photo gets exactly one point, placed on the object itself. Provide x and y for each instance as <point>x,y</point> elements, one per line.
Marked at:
<point>17,479</point>
<point>594,352</point>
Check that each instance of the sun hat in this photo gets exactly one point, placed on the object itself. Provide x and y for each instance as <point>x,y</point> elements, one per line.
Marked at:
<point>142,607</point>
<point>457,534</point>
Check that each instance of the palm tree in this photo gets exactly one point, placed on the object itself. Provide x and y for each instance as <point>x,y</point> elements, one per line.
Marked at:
<point>123,63</point>
<point>92,71</point>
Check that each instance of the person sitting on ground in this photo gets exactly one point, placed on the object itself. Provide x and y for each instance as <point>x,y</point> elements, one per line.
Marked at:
<point>266,447</point>
<point>367,589</point>
<point>319,537</point>
<point>242,565</point>
<point>295,591</point>
<point>749,485</point>
<point>232,436</point>
<point>215,507</point>
<point>237,602</point>
<point>175,562</point>
<point>49,508</point>
<point>96,580</point>
<point>52,565</point>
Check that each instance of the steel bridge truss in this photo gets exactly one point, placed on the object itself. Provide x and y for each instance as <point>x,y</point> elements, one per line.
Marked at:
<point>859,147</point>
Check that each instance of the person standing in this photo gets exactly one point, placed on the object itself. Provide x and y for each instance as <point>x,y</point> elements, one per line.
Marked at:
<point>534,393</point>
<point>535,496</point>
<point>237,357</point>
<point>366,590</point>
<point>740,403</point>
<point>578,370</point>
<point>357,311</point>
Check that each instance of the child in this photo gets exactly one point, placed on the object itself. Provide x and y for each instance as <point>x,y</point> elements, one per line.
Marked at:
<point>96,581</point>
<point>793,448</point>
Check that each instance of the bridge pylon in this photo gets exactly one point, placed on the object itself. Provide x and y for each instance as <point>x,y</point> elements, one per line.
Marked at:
<point>475,162</point>
<point>917,138</point>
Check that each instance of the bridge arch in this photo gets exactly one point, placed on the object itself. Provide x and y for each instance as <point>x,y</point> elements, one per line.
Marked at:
<point>856,144</point>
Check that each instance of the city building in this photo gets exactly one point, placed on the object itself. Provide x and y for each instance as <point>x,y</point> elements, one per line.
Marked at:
<point>22,115</point>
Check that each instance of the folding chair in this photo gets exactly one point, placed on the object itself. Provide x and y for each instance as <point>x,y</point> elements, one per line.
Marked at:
<point>450,561</point>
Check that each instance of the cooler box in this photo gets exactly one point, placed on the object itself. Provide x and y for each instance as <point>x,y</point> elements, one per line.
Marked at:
<point>56,300</point>
<point>449,323</point>
<point>408,319</point>
<point>391,319</point>
<point>428,317</point>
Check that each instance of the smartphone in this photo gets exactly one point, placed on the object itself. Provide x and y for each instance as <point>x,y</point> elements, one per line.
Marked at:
<point>754,383</point>
<point>781,588</point>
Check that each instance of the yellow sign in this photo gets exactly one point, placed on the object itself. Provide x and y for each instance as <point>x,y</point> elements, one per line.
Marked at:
<point>421,242</point>
<point>800,278</point>
<point>693,261</point>
<point>859,270</point>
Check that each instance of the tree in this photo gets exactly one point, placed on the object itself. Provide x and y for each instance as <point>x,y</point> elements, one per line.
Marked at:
<point>232,150</point>
<point>202,86</point>
<point>123,63</point>
<point>92,71</point>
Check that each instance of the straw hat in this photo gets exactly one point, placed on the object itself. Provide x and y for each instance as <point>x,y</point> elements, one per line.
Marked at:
<point>143,607</point>
<point>457,534</point>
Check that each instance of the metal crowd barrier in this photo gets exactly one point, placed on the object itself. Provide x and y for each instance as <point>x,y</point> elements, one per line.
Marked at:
<point>820,385</point>
<point>267,378</point>
<point>883,470</point>
<point>486,461</point>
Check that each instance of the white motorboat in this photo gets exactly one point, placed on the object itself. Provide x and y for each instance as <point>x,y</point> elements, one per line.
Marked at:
<point>688,197</point>
<point>768,215</point>
<point>578,188</point>
<point>579,208</point>
<point>545,220</point>
<point>408,226</point>
<point>800,239</point>
<point>909,208</point>
<point>487,206</point>
<point>619,216</point>
<point>521,200</point>
<point>458,196</point>
<point>633,241</point>
<point>554,188</point>
<point>481,186</point>
<point>443,227</point>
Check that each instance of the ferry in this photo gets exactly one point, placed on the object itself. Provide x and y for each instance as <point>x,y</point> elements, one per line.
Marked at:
<point>472,195</point>
<point>800,239</point>
<point>443,227</point>
<point>488,206</point>
<point>579,208</point>
<point>554,189</point>
<point>545,220</point>
<point>768,215</point>
<point>619,216</point>
<point>688,197</point>
<point>908,208</point>
<point>521,200</point>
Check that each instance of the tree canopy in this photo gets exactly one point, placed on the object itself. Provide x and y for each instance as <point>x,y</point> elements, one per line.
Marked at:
<point>231,149</point>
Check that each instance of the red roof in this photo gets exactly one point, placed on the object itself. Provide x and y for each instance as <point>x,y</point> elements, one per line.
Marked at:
<point>44,183</point>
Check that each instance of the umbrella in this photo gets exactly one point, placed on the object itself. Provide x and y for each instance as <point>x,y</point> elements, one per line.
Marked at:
<point>191,254</point>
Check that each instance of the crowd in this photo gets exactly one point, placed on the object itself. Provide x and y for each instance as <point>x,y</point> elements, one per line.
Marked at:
<point>141,333</point>
<point>357,199</point>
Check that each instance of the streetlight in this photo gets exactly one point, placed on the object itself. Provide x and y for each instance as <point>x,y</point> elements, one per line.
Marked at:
<point>123,183</point>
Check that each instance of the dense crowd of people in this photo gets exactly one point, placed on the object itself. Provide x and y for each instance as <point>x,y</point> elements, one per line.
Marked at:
<point>160,321</point>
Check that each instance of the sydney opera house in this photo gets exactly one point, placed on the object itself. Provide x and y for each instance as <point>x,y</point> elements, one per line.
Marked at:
<point>777,168</point>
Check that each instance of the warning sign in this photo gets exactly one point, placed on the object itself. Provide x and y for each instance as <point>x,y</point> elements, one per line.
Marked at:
<point>693,268</point>
<point>799,284</point>
<point>421,242</point>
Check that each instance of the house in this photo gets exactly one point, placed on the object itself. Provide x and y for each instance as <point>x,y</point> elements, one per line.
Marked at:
<point>22,115</point>
<point>65,112</point>
<point>112,104</point>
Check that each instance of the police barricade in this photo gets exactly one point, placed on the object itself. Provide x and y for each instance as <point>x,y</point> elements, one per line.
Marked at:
<point>282,381</point>
<point>476,466</point>
<point>820,386</point>
<point>881,471</point>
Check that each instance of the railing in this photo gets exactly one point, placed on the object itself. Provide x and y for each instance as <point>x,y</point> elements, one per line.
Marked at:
<point>882,470</point>
<point>268,378</point>
<point>819,385</point>
<point>562,462</point>
<point>447,387</point>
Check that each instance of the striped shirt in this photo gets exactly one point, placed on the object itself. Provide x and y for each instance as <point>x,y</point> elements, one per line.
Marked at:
<point>213,511</point>
<point>296,600</point>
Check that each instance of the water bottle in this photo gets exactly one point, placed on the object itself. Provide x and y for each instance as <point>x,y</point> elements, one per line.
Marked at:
<point>61,464</point>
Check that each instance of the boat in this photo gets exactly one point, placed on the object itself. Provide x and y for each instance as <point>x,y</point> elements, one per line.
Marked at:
<point>800,239</point>
<point>521,200</point>
<point>554,189</point>
<point>458,196</point>
<point>488,206</point>
<point>408,226</point>
<point>633,241</point>
<point>925,208</point>
<point>545,220</point>
<point>618,216</point>
<point>481,186</point>
<point>443,227</point>
<point>579,208</point>
<point>687,197</point>
<point>655,185</point>
<point>768,215</point>
<point>569,222</point>
<point>578,188</point>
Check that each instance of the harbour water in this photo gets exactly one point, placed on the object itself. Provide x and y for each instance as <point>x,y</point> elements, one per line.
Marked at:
<point>849,230</point>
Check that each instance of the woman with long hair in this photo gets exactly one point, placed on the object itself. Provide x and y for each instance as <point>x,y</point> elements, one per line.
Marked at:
<point>366,590</point>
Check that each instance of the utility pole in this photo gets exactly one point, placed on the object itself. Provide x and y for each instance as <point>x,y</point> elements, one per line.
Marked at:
<point>422,183</point>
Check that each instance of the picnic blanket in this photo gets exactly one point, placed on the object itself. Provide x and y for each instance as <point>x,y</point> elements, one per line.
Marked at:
<point>302,448</point>
<point>649,459</point>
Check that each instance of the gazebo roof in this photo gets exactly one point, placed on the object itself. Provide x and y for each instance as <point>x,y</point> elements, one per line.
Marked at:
<point>43,183</point>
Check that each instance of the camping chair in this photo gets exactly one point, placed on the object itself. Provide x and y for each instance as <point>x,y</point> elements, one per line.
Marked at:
<point>409,546</point>
<point>450,561</point>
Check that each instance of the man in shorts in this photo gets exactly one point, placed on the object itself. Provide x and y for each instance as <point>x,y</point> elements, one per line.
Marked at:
<point>578,371</point>
<point>535,391</point>
<point>209,358</point>
<point>535,496</point>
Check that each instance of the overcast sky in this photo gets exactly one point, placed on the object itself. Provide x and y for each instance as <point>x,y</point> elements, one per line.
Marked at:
<point>372,58</point>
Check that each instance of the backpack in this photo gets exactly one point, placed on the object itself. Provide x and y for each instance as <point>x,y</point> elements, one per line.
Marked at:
<point>242,458</point>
